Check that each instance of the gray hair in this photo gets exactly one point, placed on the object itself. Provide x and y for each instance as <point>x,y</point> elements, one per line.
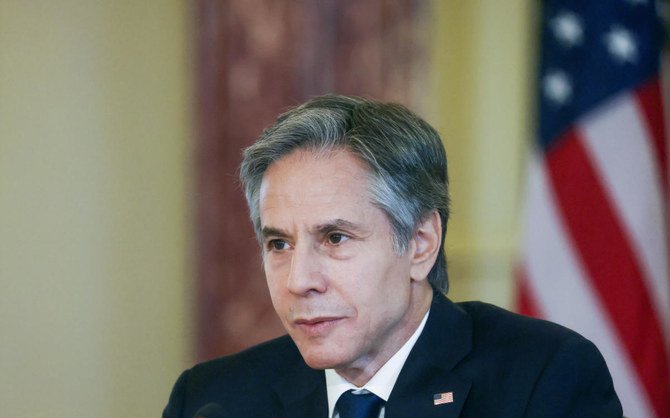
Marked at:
<point>405,156</point>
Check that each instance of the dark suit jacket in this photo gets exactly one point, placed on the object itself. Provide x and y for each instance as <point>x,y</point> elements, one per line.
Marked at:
<point>497,364</point>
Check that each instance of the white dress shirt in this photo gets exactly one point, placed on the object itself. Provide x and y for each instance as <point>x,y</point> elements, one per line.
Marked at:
<point>381,383</point>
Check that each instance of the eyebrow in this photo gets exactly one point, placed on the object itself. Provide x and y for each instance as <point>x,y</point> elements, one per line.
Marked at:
<point>336,224</point>
<point>269,231</point>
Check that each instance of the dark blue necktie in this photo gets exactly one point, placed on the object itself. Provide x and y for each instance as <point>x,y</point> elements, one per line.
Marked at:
<point>364,405</point>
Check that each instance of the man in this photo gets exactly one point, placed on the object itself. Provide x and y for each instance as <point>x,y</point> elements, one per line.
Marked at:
<point>349,201</point>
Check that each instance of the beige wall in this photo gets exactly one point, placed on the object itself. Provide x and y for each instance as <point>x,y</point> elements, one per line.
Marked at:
<point>94,207</point>
<point>482,75</point>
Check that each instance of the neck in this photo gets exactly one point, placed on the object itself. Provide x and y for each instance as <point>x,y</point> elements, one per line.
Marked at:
<point>422,297</point>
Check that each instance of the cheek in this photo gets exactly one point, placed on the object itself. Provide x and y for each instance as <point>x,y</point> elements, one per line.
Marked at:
<point>386,274</point>
<point>275,283</point>
<point>363,286</point>
<point>384,291</point>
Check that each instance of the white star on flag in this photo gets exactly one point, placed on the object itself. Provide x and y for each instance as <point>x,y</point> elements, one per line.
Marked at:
<point>557,87</point>
<point>567,28</point>
<point>621,45</point>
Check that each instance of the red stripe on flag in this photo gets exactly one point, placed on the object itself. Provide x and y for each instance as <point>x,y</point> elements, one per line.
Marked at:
<point>611,264</point>
<point>525,303</point>
<point>651,104</point>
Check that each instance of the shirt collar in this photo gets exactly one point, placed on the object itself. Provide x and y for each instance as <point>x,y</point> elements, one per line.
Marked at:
<point>381,384</point>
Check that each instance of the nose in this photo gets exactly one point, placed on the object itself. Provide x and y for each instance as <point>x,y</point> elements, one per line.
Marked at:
<point>306,274</point>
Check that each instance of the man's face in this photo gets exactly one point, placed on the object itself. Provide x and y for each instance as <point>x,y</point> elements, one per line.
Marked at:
<point>340,289</point>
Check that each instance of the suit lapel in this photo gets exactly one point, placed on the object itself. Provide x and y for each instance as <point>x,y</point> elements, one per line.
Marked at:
<point>302,392</point>
<point>430,367</point>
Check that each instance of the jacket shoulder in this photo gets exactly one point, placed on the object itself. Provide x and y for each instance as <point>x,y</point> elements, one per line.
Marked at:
<point>269,358</point>
<point>234,381</point>
<point>505,327</point>
<point>503,339</point>
<point>554,371</point>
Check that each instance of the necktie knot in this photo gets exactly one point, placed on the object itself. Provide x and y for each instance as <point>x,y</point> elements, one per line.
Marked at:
<point>364,405</point>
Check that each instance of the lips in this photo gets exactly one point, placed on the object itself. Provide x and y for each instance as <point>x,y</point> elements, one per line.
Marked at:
<point>319,326</point>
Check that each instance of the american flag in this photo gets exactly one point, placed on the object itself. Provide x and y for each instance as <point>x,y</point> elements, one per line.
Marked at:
<point>442,398</point>
<point>595,242</point>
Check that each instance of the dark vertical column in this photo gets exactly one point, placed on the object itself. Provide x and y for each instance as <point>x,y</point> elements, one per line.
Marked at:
<point>255,58</point>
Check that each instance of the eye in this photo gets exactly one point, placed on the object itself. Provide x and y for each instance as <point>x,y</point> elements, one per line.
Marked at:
<point>337,238</point>
<point>277,245</point>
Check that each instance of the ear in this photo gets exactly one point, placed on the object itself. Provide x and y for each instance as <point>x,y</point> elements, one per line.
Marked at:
<point>426,246</point>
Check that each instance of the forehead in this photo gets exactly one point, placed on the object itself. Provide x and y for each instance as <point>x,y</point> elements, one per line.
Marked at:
<point>327,183</point>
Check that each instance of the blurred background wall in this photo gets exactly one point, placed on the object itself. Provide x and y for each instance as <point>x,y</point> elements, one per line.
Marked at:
<point>483,78</point>
<point>95,145</point>
<point>99,177</point>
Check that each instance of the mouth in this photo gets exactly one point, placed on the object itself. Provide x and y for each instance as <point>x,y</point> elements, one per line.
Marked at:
<point>319,326</point>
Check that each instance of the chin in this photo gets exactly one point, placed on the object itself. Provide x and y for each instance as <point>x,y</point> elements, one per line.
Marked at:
<point>317,359</point>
